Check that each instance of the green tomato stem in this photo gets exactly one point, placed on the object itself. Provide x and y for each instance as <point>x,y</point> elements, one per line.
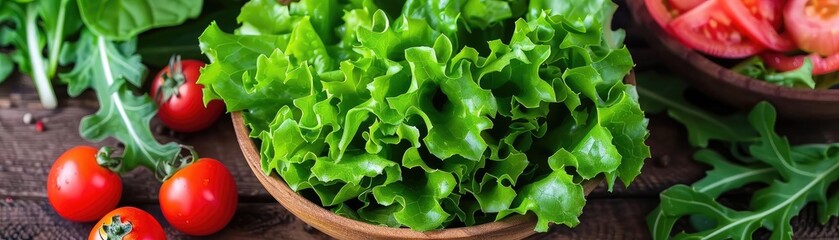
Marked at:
<point>55,48</point>
<point>39,74</point>
<point>117,229</point>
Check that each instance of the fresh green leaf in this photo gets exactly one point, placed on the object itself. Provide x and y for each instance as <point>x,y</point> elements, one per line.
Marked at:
<point>111,69</point>
<point>793,181</point>
<point>801,77</point>
<point>27,36</point>
<point>659,91</point>
<point>125,19</point>
<point>424,117</point>
<point>6,67</point>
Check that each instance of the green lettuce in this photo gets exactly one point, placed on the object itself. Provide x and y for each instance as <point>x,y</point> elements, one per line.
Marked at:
<point>432,114</point>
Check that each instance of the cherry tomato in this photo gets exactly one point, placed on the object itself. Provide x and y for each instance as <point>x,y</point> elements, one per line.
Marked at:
<point>757,19</point>
<point>127,223</point>
<point>814,25</point>
<point>709,30</point>
<point>181,99</point>
<point>81,190</point>
<point>821,65</point>
<point>199,199</point>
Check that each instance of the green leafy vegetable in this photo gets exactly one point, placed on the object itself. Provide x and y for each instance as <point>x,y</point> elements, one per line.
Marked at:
<point>443,113</point>
<point>124,19</point>
<point>662,92</point>
<point>110,69</point>
<point>801,77</point>
<point>22,30</point>
<point>6,66</point>
<point>794,175</point>
<point>100,60</point>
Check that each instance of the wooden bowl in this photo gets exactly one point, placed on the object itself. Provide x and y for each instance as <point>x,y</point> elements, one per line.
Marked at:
<point>729,86</point>
<point>513,227</point>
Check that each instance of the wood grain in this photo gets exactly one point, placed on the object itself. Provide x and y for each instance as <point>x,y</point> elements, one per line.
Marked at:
<point>27,218</point>
<point>603,219</point>
<point>26,155</point>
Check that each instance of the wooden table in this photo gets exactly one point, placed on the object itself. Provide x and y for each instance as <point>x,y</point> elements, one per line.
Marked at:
<point>26,156</point>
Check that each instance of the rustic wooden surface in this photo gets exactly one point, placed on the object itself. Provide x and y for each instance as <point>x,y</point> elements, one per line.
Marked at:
<point>25,158</point>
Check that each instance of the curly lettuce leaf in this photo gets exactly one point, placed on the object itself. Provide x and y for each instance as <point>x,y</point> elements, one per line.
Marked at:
<point>428,118</point>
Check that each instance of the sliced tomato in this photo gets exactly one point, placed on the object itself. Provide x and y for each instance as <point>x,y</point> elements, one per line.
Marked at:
<point>685,5</point>
<point>660,13</point>
<point>709,30</point>
<point>782,62</point>
<point>814,25</point>
<point>755,19</point>
<point>664,11</point>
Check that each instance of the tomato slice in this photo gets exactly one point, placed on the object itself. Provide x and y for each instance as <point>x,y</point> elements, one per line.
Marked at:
<point>663,11</point>
<point>685,5</point>
<point>709,30</point>
<point>782,62</point>
<point>814,25</point>
<point>660,13</point>
<point>755,18</point>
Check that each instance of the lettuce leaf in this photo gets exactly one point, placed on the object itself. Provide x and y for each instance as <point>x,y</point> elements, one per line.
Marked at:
<point>428,114</point>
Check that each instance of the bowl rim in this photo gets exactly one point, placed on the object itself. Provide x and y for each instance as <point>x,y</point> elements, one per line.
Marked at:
<point>510,227</point>
<point>705,64</point>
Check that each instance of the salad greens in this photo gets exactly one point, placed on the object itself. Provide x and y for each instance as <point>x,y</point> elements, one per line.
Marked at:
<point>793,175</point>
<point>756,68</point>
<point>433,114</point>
<point>101,48</point>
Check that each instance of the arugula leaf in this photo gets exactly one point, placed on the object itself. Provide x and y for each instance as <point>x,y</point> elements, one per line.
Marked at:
<point>795,177</point>
<point>125,19</point>
<point>659,92</point>
<point>110,69</point>
<point>724,176</point>
<point>427,118</point>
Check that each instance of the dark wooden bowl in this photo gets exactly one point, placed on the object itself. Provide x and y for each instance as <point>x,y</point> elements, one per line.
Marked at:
<point>729,86</point>
<point>513,227</point>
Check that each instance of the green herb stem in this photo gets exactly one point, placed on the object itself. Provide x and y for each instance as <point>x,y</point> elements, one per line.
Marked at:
<point>55,48</point>
<point>39,74</point>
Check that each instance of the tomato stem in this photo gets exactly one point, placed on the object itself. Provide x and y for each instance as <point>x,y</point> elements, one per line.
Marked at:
<point>104,158</point>
<point>166,169</point>
<point>117,229</point>
<point>172,80</point>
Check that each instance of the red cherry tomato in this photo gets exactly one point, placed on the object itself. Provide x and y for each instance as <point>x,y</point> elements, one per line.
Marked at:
<point>757,19</point>
<point>709,30</point>
<point>199,199</point>
<point>821,65</point>
<point>814,25</point>
<point>182,102</point>
<point>127,223</point>
<point>81,190</point>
